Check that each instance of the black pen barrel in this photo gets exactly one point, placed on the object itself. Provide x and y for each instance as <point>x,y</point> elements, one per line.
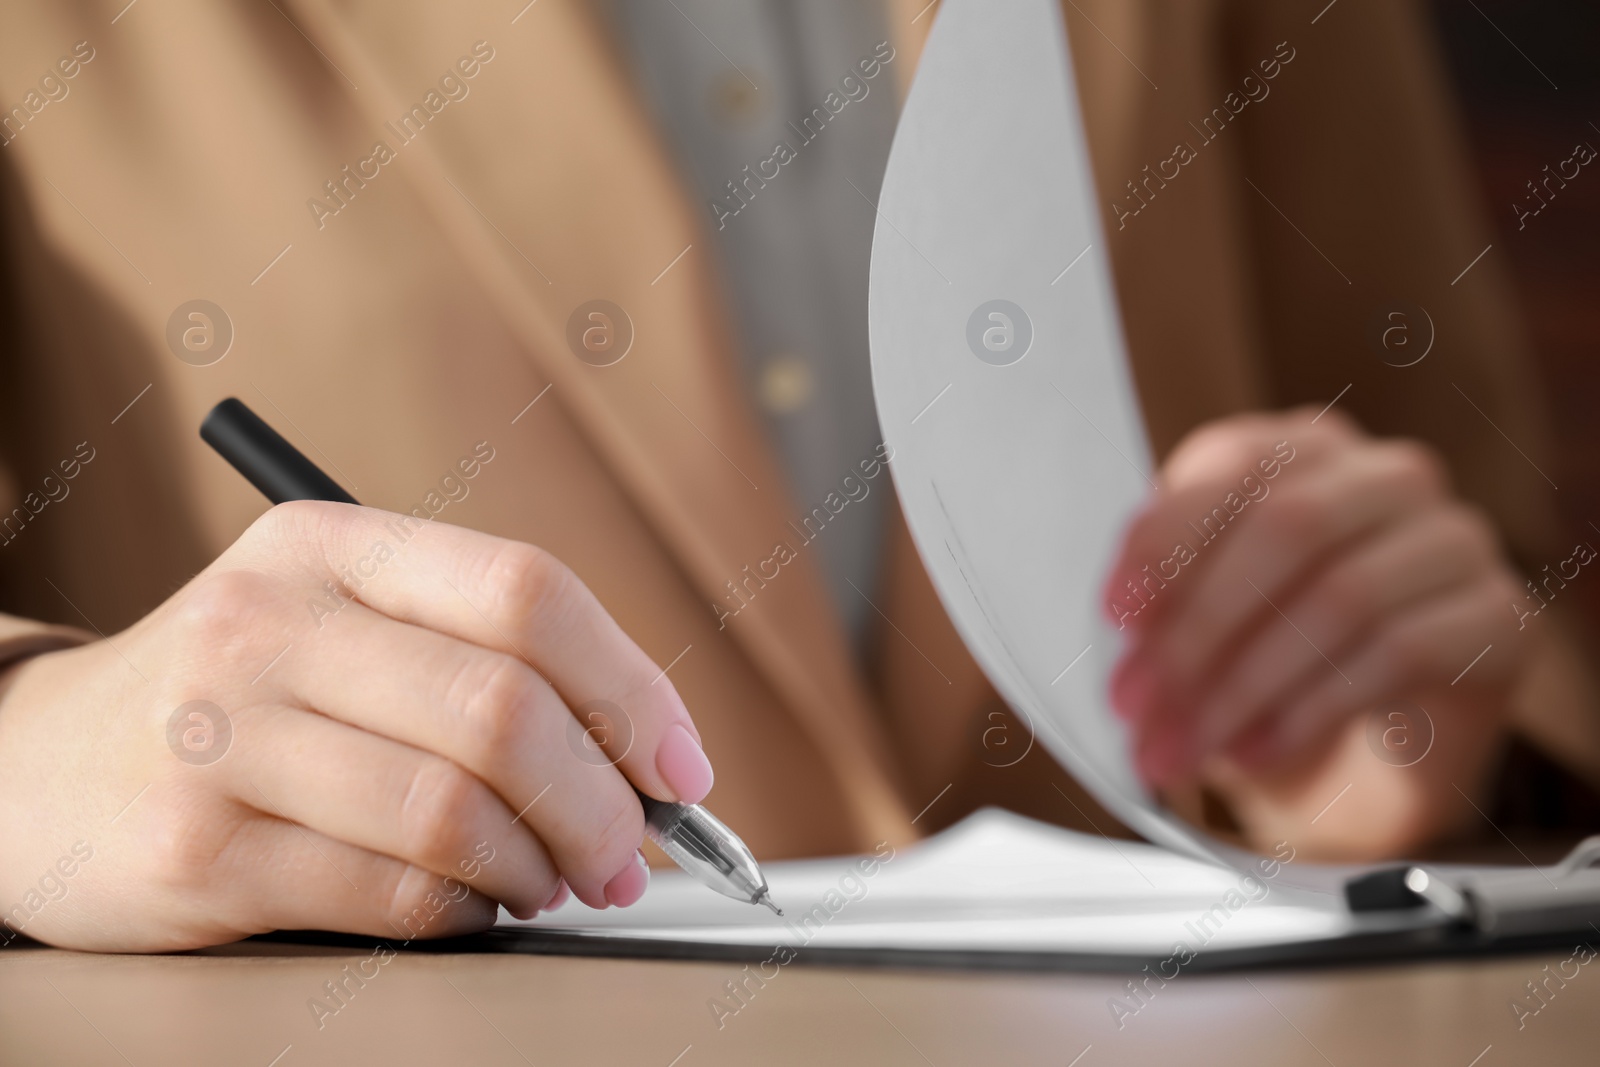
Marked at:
<point>267,461</point>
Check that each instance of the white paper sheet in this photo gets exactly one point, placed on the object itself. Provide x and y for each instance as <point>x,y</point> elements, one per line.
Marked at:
<point>994,883</point>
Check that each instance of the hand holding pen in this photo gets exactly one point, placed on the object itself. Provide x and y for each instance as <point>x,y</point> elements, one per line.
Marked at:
<point>689,835</point>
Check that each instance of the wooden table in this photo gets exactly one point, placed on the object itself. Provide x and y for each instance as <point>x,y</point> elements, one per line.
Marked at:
<point>248,1005</point>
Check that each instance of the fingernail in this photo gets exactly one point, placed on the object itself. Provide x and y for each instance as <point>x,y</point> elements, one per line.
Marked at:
<point>626,888</point>
<point>563,894</point>
<point>683,766</point>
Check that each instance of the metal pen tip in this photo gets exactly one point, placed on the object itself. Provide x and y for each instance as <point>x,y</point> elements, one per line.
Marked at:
<point>764,899</point>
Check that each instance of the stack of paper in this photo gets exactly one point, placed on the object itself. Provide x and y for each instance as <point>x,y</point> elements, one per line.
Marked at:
<point>996,885</point>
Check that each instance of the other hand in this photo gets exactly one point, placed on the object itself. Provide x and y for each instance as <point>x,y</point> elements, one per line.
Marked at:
<point>1291,577</point>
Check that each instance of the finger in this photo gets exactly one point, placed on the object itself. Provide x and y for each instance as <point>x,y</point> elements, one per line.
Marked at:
<point>1312,516</point>
<point>1430,644</point>
<point>513,597</point>
<point>1349,599</point>
<point>1256,569</point>
<point>389,798</point>
<point>1238,441</point>
<point>1197,478</point>
<point>303,880</point>
<point>489,713</point>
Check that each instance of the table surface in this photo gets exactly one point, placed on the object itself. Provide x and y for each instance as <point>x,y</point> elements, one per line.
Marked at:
<point>250,1005</point>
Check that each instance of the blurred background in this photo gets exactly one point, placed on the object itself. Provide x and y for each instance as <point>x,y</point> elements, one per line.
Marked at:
<point>1528,84</point>
<point>1528,80</point>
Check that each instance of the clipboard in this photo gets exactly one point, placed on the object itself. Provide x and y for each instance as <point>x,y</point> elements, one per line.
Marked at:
<point>998,891</point>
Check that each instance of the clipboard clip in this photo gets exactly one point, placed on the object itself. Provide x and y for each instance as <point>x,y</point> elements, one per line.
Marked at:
<point>1497,902</point>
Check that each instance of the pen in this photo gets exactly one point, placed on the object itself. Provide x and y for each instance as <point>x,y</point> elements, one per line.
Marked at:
<point>691,836</point>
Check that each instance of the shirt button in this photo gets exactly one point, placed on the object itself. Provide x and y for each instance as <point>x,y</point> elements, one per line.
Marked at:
<point>786,384</point>
<point>733,100</point>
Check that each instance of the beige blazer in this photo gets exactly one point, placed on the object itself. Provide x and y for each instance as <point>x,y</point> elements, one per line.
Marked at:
<point>398,257</point>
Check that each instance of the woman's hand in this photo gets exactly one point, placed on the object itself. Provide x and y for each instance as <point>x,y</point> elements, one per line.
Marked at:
<point>1292,578</point>
<point>415,721</point>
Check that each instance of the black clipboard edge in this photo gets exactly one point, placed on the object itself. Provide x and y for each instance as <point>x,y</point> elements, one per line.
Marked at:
<point>1413,945</point>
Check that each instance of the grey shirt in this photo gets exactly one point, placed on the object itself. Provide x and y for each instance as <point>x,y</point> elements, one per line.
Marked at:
<point>779,114</point>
